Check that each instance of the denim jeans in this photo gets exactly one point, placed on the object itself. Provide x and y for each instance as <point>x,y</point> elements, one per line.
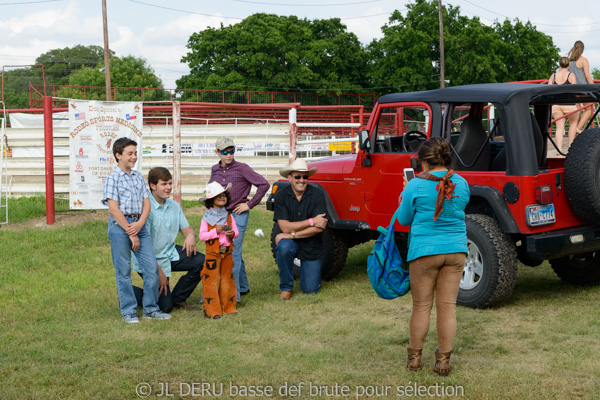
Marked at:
<point>120,248</point>
<point>310,271</point>
<point>185,285</point>
<point>239,268</point>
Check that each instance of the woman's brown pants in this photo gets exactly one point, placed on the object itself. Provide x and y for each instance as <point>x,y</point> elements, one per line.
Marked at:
<point>439,274</point>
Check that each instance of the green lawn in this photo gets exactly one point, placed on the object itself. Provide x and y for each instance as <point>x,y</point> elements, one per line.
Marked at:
<point>62,337</point>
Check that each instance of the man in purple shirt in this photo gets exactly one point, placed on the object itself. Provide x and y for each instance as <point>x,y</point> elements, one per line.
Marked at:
<point>242,177</point>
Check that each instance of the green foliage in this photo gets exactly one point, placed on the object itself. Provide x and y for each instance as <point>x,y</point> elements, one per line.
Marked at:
<point>59,64</point>
<point>265,52</point>
<point>125,72</point>
<point>407,58</point>
<point>16,85</point>
<point>527,53</point>
<point>595,73</point>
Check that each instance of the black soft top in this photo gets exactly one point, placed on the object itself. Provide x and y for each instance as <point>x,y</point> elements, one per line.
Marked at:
<point>501,93</point>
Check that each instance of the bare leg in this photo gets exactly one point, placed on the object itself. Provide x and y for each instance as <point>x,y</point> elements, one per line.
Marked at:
<point>587,113</point>
<point>560,129</point>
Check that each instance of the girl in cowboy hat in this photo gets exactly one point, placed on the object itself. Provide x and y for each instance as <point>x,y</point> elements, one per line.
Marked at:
<point>217,230</point>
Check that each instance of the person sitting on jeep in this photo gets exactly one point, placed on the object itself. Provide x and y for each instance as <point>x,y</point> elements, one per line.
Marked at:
<point>300,213</point>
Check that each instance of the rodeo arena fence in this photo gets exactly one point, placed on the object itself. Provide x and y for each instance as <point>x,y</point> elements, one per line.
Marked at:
<point>66,151</point>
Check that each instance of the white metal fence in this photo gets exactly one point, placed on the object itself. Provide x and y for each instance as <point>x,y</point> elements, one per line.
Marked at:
<point>264,145</point>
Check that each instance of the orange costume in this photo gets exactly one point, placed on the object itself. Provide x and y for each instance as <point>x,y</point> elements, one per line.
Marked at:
<point>218,291</point>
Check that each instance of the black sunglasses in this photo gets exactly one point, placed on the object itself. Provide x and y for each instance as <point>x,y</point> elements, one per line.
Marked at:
<point>297,177</point>
<point>225,152</point>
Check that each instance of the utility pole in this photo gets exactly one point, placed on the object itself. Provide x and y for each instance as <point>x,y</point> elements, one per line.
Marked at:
<point>107,52</point>
<point>442,80</point>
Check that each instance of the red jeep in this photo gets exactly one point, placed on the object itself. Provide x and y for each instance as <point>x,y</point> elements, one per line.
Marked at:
<point>530,201</point>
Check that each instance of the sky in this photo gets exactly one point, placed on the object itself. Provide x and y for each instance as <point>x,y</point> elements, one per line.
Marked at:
<point>158,30</point>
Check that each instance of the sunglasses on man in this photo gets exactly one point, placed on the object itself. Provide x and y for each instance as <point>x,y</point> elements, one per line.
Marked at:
<point>225,152</point>
<point>297,177</point>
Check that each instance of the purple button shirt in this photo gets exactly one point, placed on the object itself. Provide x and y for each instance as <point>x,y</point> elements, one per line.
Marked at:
<point>242,177</point>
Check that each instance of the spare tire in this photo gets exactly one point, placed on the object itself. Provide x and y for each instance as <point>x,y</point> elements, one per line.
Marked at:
<point>582,175</point>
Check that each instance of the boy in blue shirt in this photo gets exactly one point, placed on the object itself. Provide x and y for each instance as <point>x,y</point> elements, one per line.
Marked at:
<point>127,199</point>
<point>164,223</point>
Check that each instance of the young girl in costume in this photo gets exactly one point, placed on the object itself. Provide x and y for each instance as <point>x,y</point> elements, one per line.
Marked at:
<point>217,230</point>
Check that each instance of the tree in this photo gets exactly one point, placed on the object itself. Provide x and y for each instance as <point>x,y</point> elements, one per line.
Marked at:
<point>407,57</point>
<point>266,52</point>
<point>126,72</point>
<point>16,86</point>
<point>60,63</point>
<point>527,53</point>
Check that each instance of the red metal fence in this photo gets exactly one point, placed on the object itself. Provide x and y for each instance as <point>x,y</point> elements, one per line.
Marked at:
<point>37,92</point>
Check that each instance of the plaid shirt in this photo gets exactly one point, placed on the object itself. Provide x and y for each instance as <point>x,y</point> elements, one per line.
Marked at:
<point>242,177</point>
<point>128,190</point>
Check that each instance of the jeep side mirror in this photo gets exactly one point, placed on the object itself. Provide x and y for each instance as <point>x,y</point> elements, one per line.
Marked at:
<point>363,140</point>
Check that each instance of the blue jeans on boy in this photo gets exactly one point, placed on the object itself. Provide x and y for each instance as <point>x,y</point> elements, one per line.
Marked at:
<point>239,268</point>
<point>120,248</point>
<point>310,271</point>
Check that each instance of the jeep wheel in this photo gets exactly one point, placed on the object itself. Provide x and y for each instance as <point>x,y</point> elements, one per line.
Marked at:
<point>336,252</point>
<point>582,175</point>
<point>490,270</point>
<point>578,269</point>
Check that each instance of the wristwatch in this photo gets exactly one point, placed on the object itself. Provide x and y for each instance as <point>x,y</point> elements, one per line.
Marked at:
<point>293,235</point>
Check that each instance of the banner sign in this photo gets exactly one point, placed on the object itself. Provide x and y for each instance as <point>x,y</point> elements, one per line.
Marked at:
<point>94,126</point>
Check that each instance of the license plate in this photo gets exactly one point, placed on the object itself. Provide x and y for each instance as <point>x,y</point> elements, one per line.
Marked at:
<point>539,214</point>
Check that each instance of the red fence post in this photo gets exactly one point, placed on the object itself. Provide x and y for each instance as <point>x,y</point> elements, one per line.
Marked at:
<point>177,152</point>
<point>49,155</point>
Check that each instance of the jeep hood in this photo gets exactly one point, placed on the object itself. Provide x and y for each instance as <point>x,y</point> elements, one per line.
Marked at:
<point>333,168</point>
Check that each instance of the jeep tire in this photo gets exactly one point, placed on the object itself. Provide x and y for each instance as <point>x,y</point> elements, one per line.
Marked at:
<point>335,247</point>
<point>582,179</point>
<point>578,269</point>
<point>491,266</point>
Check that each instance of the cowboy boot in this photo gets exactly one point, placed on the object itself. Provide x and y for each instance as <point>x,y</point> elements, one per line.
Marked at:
<point>414,359</point>
<point>442,363</point>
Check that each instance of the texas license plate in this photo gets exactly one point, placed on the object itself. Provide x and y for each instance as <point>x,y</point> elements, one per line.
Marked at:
<point>540,214</point>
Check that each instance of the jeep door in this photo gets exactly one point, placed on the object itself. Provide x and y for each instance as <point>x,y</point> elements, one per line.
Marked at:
<point>397,130</point>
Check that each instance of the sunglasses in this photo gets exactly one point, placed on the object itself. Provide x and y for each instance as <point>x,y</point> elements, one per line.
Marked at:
<point>298,177</point>
<point>225,152</point>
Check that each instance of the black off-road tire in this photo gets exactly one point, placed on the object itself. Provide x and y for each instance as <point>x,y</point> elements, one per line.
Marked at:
<point>491,267</point>
<point>578,269</point>
<point>582,175</point>
<point>336,252</point>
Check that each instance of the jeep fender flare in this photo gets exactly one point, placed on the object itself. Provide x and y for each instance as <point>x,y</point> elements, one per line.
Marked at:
<point>498,205</point>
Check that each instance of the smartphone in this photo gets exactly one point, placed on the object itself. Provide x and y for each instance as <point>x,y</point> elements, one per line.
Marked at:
<point>409,173</point>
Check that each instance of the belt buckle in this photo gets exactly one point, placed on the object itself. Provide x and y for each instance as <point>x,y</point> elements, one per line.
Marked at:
<point>222,249</point>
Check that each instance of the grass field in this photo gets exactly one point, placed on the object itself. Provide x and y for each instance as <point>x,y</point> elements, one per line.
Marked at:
<point>62,337</point>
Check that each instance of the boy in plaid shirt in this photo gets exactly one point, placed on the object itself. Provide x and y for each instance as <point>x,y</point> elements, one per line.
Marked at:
<point>126,195</point>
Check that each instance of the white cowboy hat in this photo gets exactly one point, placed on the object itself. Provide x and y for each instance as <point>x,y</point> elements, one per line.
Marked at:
<point>298,165</point>
<point>214,189</point>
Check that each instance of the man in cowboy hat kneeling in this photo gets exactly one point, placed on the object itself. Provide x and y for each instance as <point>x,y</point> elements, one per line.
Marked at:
<point>300,213</point>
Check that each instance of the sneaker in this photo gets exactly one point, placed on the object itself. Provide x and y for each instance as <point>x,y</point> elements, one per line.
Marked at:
<point>156,315</point>
<point>131,319</point>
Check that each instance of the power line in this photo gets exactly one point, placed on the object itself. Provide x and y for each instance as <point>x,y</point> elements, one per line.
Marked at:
<point>183,11</point>
<point>236,18</point>
<point>507,17</point>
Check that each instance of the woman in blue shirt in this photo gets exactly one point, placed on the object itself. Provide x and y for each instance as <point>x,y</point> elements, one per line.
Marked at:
<point>433,205</point>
